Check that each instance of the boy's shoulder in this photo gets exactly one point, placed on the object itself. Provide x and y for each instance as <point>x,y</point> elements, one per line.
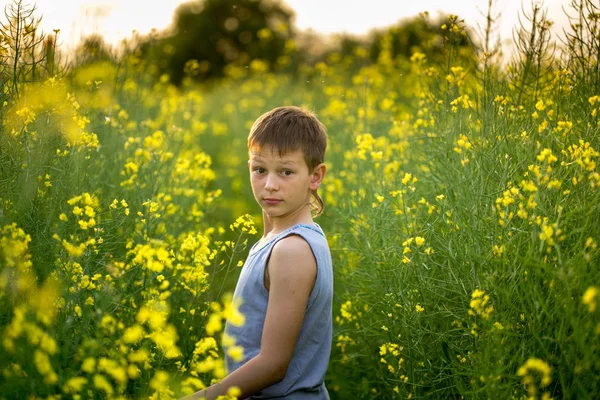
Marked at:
<point>302,241</point>
<point>292,260</point>
<point>291,246</point>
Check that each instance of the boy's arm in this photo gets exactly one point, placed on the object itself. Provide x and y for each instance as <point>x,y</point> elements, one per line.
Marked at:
<point>292,274</point>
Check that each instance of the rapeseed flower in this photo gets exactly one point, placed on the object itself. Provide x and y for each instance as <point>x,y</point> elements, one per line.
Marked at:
<point>236,353</point>
<point>133,334</point>
<point>540,367</point>
<point>479,304</point>
<point>589,298</point>
<point>75,384</point>
<point>101,383</point>
<point>44,367</point>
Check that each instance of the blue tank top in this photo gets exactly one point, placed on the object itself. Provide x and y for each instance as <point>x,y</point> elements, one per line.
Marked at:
<point>306,372</point>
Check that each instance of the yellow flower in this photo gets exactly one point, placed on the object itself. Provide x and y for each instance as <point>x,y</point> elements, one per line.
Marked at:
<point>419,308</point>
<point>75,251</point>
<point>139,356</point>
<point>133,334</point>
<point>165,340</point>
<point>75,384</point>
<point>234,391</point>
<point>383,350</point>
<point>498,250</point>
<point>417,58</point>
<point>589,298</point>
<point>231,311</point>
<point>89,211</point>
<point>44,367</point>
<point>540,105</point>
<point>89,365</point>
<point>546,154</point>
<point>539,366</point>
<point>407,242</point>
<point>214,324</point>
<point>478,304</point>
<point>209,343</point>
<point>100,382</point>
<point>160,380</point>
<point>133,371</point>
<point>236,353</point>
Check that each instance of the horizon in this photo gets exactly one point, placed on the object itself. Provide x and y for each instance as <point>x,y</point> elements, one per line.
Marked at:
<point>116,21</point>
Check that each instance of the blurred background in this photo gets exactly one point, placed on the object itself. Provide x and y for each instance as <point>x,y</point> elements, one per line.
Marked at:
<point>215,33</point>
<point>115,20</point>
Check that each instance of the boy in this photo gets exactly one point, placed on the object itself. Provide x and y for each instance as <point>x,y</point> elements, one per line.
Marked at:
<point>286,283</point>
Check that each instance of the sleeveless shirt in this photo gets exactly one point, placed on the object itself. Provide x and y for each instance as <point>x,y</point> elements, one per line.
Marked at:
<point>306,372</point>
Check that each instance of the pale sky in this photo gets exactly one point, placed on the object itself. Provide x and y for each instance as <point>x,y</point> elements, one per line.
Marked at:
<point>116,19</point>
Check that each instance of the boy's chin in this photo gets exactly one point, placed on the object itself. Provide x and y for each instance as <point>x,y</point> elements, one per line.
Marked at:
<point>272,213</point>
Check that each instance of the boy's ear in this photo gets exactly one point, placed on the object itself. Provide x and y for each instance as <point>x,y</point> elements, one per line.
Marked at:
<point>317,176</point>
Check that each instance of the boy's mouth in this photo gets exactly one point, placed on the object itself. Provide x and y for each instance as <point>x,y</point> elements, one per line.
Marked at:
<point>272,201</point>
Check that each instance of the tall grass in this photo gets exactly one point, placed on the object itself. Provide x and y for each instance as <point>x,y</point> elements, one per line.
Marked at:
<point>461,208</point>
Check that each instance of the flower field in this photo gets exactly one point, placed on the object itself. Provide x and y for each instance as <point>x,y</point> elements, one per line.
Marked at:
<point>461,208</point>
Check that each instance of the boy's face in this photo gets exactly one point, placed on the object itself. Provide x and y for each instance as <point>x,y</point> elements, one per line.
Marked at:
<point>282,184</point>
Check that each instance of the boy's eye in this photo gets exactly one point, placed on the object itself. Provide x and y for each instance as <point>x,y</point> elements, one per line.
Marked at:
<point>286,172</point>
<point>258,170</point>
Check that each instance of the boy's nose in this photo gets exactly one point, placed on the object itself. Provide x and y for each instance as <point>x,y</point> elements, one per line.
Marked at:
<point>271,183</point>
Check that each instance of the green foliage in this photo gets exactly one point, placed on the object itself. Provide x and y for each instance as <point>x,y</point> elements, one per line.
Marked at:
<point>26,53</point>
<point>423,35</point>
<point>91,50</point>
<point>208,35</point>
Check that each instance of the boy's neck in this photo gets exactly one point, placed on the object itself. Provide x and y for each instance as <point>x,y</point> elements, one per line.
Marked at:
<point>274,226</point>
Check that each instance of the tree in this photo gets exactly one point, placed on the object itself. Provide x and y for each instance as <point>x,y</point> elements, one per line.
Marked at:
<point>214,33</point>
<point>417,34</point>
<point>92,49</point>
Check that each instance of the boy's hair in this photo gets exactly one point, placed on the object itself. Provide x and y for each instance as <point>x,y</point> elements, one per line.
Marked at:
<point>291,128</point>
